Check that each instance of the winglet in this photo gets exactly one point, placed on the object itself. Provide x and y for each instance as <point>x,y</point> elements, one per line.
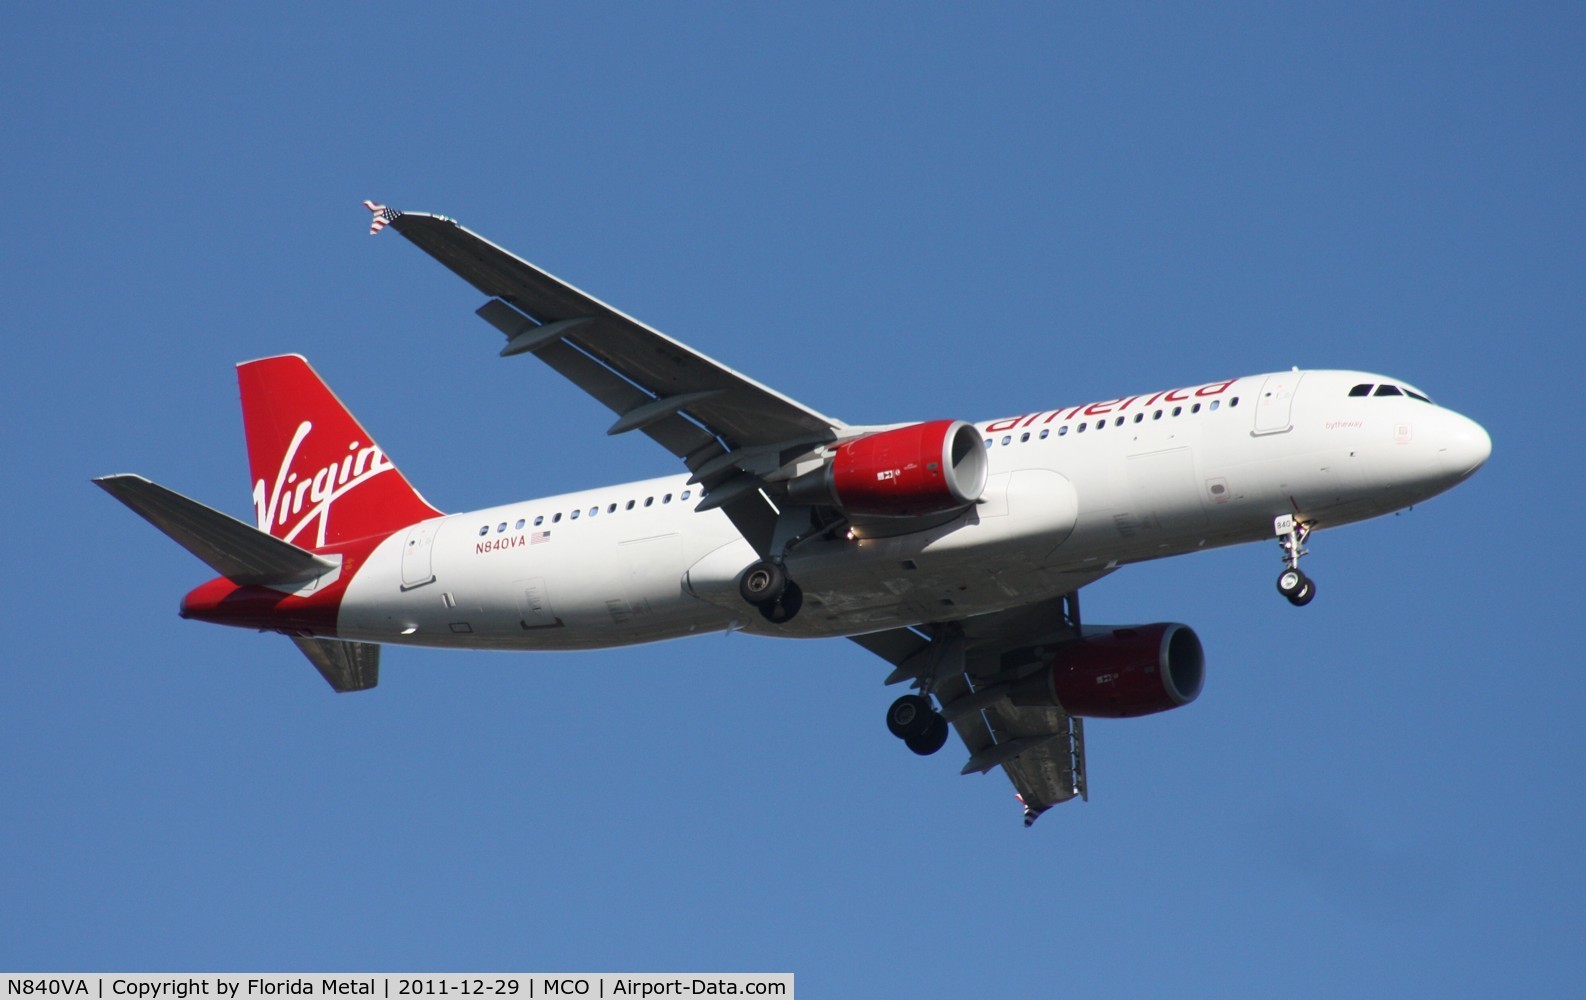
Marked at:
<point>382,216</point>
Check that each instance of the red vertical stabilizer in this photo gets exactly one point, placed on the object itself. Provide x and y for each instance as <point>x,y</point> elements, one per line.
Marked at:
<point>319,479</point>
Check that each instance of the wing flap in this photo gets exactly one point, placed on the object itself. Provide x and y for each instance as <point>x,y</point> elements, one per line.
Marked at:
<point>1048,767</point>
<point>1041,750</point>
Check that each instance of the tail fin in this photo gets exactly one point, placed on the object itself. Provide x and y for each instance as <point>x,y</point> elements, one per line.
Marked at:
<point>318,477</point>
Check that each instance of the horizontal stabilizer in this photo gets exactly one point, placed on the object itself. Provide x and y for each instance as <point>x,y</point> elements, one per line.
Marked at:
<point>348,666</point>
<point>236,550</point>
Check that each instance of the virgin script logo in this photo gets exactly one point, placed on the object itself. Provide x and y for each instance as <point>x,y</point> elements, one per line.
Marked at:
<point>276,503</point>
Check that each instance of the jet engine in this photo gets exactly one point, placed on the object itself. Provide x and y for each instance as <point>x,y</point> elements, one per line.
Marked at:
<point>1116,672</point>
<point>928,468</point>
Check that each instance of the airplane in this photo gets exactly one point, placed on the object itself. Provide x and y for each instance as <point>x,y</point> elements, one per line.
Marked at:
<point>953,550</point>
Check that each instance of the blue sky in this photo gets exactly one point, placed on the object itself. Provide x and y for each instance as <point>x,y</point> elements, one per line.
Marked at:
<point>911,211</point>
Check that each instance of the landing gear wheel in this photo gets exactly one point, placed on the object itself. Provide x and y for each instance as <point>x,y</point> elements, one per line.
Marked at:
<point>762,584</point>
<point>785,606</point>
<point>910,716</point>
<point>930,741</point>
<point>1291,582</point>
<point>1306,594</point>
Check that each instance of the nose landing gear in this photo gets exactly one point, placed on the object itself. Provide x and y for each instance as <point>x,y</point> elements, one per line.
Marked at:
<point>1292,582</point>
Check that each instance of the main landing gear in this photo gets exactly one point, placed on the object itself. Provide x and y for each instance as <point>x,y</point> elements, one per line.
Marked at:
<point>767,587</point>
<point>913,718</point>
<point>765,584</point>
<point>1292,583</point>
<point>915,721</point>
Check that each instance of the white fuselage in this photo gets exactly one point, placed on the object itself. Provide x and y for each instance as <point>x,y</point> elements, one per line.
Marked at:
<point>1072,494</point>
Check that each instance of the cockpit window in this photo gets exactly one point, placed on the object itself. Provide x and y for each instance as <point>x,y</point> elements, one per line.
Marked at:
<point>1387,390</point>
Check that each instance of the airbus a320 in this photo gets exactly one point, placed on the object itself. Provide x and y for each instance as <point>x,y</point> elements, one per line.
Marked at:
<point>953,550</point>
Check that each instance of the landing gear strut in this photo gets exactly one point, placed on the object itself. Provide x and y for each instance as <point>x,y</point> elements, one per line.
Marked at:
<point>1292,582</point>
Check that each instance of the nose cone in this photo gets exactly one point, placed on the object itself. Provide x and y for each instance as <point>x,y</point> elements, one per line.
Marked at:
<point>1465,445</point>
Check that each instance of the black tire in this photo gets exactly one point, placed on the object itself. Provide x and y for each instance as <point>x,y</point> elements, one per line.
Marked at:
<point>762,584</point>
<point>784,607</point>
<point>1291,582</point>
<point>910,716</point>
<point>930,741</point>
<point>1306,595</point>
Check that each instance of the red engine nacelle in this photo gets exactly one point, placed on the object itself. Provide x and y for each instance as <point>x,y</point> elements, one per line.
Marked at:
<point>928,468</point>
<point>1120,671</point>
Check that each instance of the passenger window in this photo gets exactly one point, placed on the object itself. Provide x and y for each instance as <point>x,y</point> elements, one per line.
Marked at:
<point>1157,415</point>
<point>1233,402</point>
<point>485,530</point>
<point>1177,410</point>
<point>556,517</point>
<point>1216,403</point>
<point>686,494</point>
<point>594,510</point>
<point>667,498</point>
<point>989,442</point>
<point>1044,432</point>
<point>573,516</point>
<point>1007,438</point>
<point>1082,427</point>
<point>501,527</point>
<point>1024,437</point>
<point>1387,390</point>
<point>539,519</point>
<point>628,506</point>
<point>521,523</point>
<point>648,501</point>
<point>1139,417</point>
<point>1360,390</point>
<point>611,509</point>
<point>1196,408</point>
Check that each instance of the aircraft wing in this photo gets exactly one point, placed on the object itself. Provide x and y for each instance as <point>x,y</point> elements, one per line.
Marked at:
<point>1041,749</point>
<point>700,410</point>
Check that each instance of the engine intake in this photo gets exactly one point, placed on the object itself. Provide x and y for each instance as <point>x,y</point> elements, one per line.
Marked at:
<point>1117,672</point>
<point>928,468</point>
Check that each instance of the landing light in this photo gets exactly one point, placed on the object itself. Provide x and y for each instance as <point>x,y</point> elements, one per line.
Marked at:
<point>410,630</point>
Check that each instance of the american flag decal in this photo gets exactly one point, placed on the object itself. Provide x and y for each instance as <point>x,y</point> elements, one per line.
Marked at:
<point>382,216</point>
<point>539,536</point>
